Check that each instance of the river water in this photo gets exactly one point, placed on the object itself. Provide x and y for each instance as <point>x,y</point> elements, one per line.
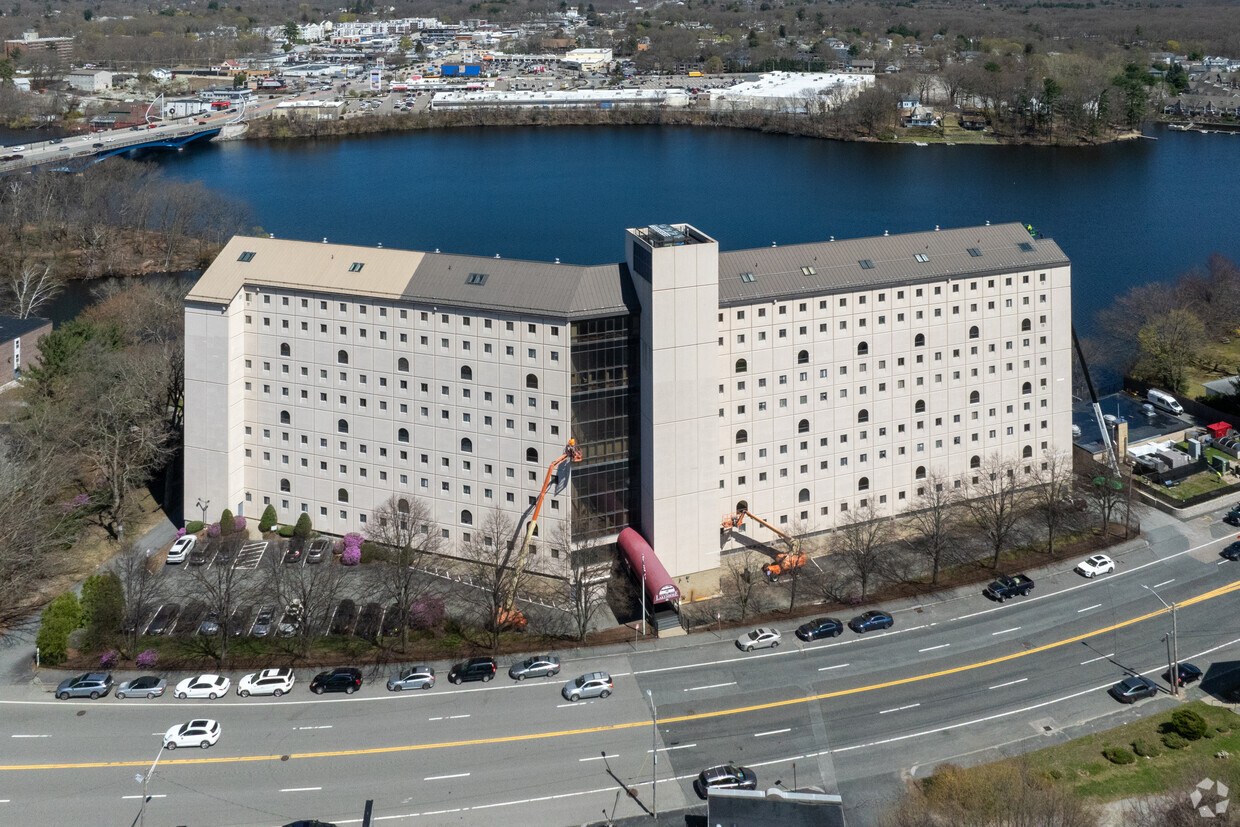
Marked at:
<point>1125,213</point>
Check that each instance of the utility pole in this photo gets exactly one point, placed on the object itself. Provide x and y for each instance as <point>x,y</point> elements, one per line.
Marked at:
<point>1173,648</point>
<point>654,752</point>
<point>145,779</point>
<point>643,594</point>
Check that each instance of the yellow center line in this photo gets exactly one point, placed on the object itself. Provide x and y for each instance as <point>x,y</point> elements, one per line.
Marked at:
<point>509,739</point>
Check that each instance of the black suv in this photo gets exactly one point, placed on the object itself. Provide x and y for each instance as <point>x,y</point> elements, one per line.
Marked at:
<point>346,679</point>
<point>474,669</point>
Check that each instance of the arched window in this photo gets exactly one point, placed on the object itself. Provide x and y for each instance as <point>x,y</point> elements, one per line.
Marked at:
<point>285,486</point>
<point>1027,452</point>
<point>974,398</point>
<point>285,350</point>
<point>467,446</point>
<point>402,365</point>
<point>342,426</point>
<point>975,461</point>
<point>531,455</point>
<point>402,435</point>
<point>742,506</point>
<point>920,473</point>
<point>467,518</point>
<point>919,406</point>
<point>974,332</point>
<point>863,484</point>
<point>342,357</point>
<point>919,340</point>
<point>531,381</point>
<point>285,418</point>
<point>803,426</point>
<point>803,357</point>
<point>742,436</point>
<point>863,348</point>
<point>863,415</point>
<point>467,373</point>
<point>803,497</point>
<point>1026,388</point>
<point>741,366</point>
<point>342,496</point>
<point>402,506</point>
<point>1026,324</point>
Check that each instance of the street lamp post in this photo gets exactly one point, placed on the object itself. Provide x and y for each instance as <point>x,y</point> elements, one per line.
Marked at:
<point>654,752</point>
<point>203,505</point>
<point>643,594</point>
<point>1173,648</point>
<point>145,779</point>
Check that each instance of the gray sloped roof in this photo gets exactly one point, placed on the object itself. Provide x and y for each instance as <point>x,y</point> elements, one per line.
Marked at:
<point>777,271</point>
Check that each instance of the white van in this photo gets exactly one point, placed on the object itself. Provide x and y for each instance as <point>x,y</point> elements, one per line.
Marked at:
<point>1164,400</point>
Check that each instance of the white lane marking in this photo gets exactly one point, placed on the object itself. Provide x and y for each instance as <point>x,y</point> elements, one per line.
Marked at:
<point>300,789</point>
<point>5,800</point>
<point>32,736</point>
<point>1089,583</point>
<point>1009,683</point>
<point>598,758</point>
<point>454,717</point>
<point>837,666</point>
<point>932,648</point>
<point>772,732</point>
<point>444,777</point>
<point>899,709</point>
<point>582,704</point>
<point>1094,660</point>
<point>1163,583</point>
<point>1005,631</point>
<point>1089,608</point>
<point>324,726</point>
<point>712,686</point>
<point>126,797</point>
<point>669,749</point>
<point>440,718</point>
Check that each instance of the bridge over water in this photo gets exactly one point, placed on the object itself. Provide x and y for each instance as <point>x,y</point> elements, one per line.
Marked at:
<point>71,154</point>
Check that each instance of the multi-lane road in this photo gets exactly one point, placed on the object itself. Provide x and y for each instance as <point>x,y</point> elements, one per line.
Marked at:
<point>959,679</point>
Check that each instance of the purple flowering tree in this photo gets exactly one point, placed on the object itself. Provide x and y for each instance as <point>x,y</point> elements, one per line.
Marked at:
<point>426,613</point>
<point>109,659</point>
<point>351,554</point>
<point>147,659</point>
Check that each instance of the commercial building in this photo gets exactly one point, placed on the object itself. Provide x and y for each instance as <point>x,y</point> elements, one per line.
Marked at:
<point>799,382</point>
<point>792,91</point>
<point>561,99</point>
<point>90,80</point>
<point>587,60</point>
<point>31,42</point>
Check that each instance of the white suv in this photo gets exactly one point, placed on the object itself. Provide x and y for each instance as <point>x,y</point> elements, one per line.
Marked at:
<point>181,549</point>
<point>267,682</point>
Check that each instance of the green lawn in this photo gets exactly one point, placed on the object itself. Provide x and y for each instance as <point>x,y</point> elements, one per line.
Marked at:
<point>1201,483</point>
<point>1217,360</point>
<point>1079,764</point>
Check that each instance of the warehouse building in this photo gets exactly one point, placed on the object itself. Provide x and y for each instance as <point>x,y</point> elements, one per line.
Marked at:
<point>798,382</point>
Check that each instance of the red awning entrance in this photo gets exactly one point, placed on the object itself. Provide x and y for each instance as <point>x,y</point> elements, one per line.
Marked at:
<point>659,585</point>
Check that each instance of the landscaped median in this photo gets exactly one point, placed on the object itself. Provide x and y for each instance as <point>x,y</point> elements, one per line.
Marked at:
<point>1143,773</point>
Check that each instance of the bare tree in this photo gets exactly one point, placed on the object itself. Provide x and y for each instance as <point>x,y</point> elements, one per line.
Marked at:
<point>585,575</point>
<point>404,526</point>
<point>222,588</point>
<point>29,288</point>
<point>995,502</point>
<point>933,515</point>
<point>742,572</point>
<point>860,541</point>
<point>1105,491</point>
<point>142,588</point>
<point>314,590</point>
<point>490,558</point>
<point>1052,486</point>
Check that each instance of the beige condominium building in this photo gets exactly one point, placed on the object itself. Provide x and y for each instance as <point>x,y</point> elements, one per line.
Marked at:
<point>796,382</point>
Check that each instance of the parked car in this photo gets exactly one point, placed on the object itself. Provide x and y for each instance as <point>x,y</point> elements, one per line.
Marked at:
<point>820,627</point>
<point>147,686</point>
<point>267,682</point>
<point>191,616</point>
<point>589,685</point>
<point>93,685</point>
<point>1233,516</point>
<point>290,621</point>
<point>474,669</point>
<point>1188,674</point>
<point>1095,565</point>
<point>293,555</point>
<point>392,621</point>
<point>197,556</point>
<point>724,777</point>
<point>181,549</point>
<point>239,620</point>
<point>320,549</point>
<point>869,621</point>
<point>759,638</point>
<point>199,733</point>
<point>1232,552</point>
<point>415,677</point>
<point>210,625</point>
<point>342,620</point>
<point>369,622</point>
<point>539,666</point>
<point>346,679</point>
<point>164,619</point>
<point>203,686</point>
<point>1133,689</point>
<point>263,623</point>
